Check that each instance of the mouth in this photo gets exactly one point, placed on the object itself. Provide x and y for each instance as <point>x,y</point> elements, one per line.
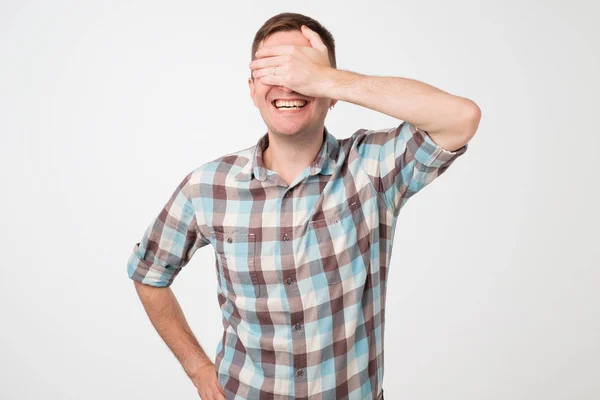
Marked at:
<point>288,106</point>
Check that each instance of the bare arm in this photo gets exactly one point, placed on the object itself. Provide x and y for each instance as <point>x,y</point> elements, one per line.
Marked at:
<point>168,319</point>
<point>451,121</point>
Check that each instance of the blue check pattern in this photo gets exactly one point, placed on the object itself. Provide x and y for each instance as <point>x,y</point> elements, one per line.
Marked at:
<point>302,268</point>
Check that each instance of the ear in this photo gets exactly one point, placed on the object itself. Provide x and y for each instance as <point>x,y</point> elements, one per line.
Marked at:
<point>252,91</point>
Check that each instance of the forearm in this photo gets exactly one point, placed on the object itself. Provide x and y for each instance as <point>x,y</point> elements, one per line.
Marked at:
<point>168,319</point>
<point>423,105</point>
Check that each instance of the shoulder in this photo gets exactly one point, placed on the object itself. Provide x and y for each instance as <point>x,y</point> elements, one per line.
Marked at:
<point>369,142</point>
<point>218,169</point>
<point>372,137</point>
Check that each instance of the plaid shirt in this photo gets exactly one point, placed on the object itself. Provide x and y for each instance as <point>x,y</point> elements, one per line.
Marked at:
<point>302,268</point>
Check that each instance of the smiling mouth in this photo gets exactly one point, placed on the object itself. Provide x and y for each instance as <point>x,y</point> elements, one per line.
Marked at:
<point>289,104</point>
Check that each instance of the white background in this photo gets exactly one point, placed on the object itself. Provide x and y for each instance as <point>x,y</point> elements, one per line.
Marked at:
<point>107,105</point>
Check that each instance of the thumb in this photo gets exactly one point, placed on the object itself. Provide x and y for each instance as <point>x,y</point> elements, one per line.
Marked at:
<point>314,38</point>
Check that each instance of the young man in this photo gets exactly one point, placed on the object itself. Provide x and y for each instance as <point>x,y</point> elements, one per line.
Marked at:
<point>302,225</point>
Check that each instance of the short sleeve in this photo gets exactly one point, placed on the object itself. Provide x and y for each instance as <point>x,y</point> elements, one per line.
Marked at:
<point>169,242</point>
<point>402,161</point>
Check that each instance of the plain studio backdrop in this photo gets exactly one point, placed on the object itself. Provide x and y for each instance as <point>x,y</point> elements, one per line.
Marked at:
<point>106,106</point>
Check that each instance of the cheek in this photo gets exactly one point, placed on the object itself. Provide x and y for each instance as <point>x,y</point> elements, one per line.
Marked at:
<point>261,93</point>
<point>321,106</point>
<point>259,85</point>
<point>259,89</point>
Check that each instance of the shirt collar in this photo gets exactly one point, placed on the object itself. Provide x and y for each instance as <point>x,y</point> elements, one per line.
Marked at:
<point>324,162</point>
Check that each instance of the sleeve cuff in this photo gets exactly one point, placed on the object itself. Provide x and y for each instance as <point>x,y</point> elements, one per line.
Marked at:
<point>146,272</point>
<point>430,153</point>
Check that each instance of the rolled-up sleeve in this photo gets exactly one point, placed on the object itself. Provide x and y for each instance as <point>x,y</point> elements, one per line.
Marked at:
<point>406,159</point>
<point>169,242</point>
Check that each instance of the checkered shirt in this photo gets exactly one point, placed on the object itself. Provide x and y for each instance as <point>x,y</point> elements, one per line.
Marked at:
<point>302,268</point>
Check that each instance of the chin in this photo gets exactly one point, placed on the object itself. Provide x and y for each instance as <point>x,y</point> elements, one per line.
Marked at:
<point>288,129</point>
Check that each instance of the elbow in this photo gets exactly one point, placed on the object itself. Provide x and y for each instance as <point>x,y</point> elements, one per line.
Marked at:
<point>471,118</point>
<point>473,113</point>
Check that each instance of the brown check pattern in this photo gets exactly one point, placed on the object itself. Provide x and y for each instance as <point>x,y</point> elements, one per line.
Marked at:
<point>302,268</point>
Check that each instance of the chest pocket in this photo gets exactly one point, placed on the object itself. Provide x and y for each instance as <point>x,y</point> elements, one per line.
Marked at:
<point>236,256</point>
<point>339,242</point>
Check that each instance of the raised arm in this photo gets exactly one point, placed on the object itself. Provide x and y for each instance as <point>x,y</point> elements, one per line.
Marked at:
<point>451,121</point>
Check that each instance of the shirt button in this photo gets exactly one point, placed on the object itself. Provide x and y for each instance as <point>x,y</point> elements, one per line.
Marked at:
<point>300,372</point>
<point>298,327</point>
<point>289,281</point>
<point>229,240</point>
<point>285,237</point>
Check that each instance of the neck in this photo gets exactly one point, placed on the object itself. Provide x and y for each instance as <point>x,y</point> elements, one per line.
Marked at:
<point>289,155</point>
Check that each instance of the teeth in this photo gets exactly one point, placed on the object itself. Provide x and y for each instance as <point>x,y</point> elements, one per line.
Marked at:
<point>290,104</point>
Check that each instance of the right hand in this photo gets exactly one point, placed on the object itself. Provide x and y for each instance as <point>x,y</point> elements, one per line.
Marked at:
<point>206,381</point>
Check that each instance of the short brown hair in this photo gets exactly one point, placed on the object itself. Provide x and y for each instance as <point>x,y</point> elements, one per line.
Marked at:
<point>294,22</point>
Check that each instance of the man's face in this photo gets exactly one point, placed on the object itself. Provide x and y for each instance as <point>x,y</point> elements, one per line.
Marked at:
<point>283,121</point>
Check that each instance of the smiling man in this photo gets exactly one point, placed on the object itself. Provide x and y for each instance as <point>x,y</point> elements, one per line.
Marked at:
<point>302,225</point>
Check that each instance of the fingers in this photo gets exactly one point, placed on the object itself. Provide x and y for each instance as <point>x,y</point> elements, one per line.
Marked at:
<point>268,62</point>
<point>313,37</point>
<point>266,72</point>
<point>213,392</point>
<point>221,390</point>
<point>217,392</point>
<point>207,382</point>
<point>273,80</point>
<point>270,51</point>
<point>217,395</point>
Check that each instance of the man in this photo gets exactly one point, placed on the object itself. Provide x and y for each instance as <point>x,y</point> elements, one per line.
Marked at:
<point>302,225</point>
